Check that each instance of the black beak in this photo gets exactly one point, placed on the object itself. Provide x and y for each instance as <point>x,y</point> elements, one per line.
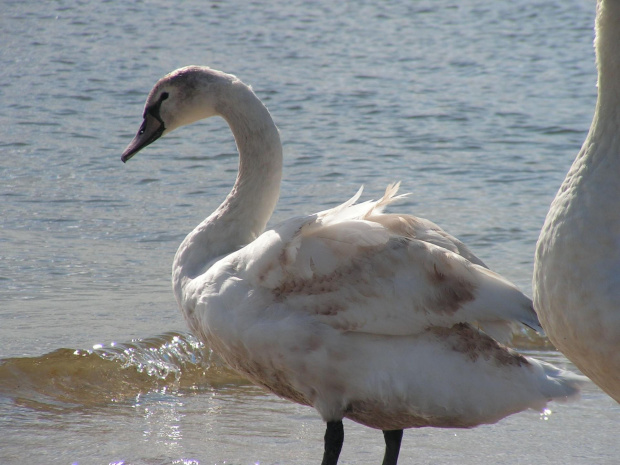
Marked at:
<point>152,128</point>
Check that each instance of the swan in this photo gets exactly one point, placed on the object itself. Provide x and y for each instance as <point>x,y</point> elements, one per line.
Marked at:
<point>381,318</point>
<point>576,278</point>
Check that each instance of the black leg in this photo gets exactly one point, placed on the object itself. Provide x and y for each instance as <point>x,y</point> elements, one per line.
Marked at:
<point>334,437</point>
<point>392,446</point>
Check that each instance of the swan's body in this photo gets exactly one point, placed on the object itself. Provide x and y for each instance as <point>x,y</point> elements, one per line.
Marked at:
<point>577,270</point>
<point>358,313</point>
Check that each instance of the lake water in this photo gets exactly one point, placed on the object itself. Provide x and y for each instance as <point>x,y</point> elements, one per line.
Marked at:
<point>477,107</point>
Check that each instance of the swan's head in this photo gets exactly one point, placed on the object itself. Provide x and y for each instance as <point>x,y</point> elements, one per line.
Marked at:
<point>179,98</point>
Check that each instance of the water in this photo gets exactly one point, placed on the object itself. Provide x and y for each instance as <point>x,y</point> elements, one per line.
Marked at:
<point>478,107</point>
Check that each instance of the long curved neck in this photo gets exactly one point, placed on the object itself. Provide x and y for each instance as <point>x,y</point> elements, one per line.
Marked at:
<point>604,132</point>
<point>598,162</point>
<point>607,44</point>
<point>244,213</point>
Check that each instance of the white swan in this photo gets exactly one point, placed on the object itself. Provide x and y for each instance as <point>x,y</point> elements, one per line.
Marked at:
<point>577,268</point>
<point>360,314</point>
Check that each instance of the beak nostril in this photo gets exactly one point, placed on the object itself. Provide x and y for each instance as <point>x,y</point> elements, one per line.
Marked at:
<point>144,137</point>
<point>142,127</point>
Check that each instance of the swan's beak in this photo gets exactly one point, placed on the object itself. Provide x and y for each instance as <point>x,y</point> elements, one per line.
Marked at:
<point>152,128</point>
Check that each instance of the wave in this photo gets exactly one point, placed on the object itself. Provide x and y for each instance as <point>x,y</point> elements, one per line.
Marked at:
<point>122,372</point>
<point>77,378</point>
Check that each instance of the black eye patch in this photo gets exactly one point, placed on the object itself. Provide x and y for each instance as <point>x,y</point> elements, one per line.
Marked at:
<point>153,110</point>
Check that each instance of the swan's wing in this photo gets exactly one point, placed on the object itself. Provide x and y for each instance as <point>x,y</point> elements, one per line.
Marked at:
<point>357,269</point>
<point>399,224</point>
<point>427,231</point>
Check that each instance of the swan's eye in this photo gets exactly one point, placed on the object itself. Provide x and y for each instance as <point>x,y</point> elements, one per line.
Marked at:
<point>164,96</point>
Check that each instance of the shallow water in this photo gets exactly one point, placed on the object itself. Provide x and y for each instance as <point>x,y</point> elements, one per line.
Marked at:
<point>478,107</point>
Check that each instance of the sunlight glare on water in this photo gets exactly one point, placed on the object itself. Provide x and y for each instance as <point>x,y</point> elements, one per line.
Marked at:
<point>545,414</point>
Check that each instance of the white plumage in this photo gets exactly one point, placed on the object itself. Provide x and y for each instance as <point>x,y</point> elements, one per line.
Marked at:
<point>359,313</point>
<point>577,268</point>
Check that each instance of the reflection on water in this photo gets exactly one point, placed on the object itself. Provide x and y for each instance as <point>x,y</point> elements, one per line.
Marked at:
<point>141,387</point>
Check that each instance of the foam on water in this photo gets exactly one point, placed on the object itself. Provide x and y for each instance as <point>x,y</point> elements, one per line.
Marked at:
<point>70,378</point>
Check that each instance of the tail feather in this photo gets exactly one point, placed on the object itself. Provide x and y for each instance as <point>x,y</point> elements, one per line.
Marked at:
<point>560,385</point>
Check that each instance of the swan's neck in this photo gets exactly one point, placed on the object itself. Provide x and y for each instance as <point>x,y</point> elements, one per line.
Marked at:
<point>607,44</point>
<point>600,155</point>
<point>246,210</point>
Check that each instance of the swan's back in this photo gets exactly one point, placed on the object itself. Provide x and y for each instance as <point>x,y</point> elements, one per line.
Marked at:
<point>360,313</point>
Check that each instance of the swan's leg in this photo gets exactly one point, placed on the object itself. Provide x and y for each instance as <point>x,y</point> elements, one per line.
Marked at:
<point>392,446</point>
<point>334,437</point>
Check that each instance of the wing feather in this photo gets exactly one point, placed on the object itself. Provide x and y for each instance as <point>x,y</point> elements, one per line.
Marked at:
<point>357,269</point>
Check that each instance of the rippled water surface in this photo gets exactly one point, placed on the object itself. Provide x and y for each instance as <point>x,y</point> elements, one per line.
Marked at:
<point>477,107</point>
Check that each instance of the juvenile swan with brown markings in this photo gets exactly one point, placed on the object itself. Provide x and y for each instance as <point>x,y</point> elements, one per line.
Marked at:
<point>385,319</point>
